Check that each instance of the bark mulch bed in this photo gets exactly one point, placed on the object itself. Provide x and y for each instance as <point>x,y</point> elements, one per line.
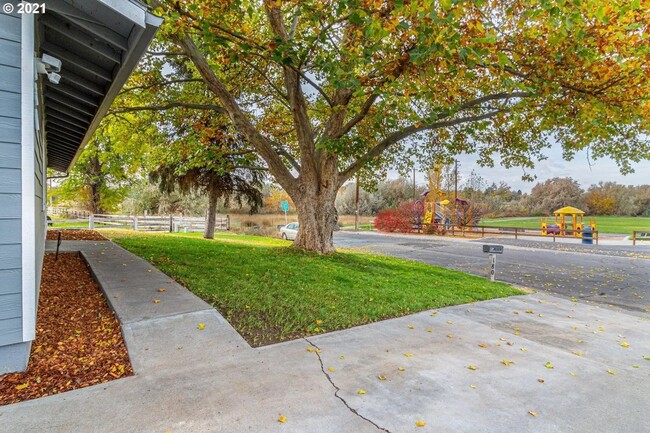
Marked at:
<point>78,339</point>
<point>74,235</point>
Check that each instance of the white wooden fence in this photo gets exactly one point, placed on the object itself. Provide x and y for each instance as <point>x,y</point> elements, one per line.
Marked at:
<point>167,223</point>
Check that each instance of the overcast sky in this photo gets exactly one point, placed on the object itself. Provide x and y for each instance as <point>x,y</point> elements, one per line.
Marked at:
<point>578,169</point>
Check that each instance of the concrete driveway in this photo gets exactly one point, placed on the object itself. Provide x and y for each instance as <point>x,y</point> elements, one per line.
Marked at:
<point>610,275</point>
<point>535,363</point>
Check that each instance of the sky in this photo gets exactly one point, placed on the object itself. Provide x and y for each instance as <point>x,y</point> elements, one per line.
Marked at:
<point>579,169</point>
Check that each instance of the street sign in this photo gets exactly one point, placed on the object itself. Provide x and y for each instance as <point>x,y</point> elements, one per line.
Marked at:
<point>284,205</point>
<point>493,249</point>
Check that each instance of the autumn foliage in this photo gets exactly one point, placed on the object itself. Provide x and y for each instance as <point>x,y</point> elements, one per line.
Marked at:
<point>78,339</point>
<point>400,219</point>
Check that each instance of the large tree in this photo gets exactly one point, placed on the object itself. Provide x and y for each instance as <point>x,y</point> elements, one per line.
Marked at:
<point>336,87</point>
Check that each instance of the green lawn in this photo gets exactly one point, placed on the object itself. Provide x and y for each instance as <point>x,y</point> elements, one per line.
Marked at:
<point>606,224</point>
<point>270,292</point>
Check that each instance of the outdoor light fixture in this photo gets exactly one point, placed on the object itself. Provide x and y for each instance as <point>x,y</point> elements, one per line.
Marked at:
<point>49,66</point>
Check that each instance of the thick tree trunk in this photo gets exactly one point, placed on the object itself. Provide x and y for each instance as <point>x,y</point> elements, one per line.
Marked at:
<point>211,217</point>
<point>315,203</point>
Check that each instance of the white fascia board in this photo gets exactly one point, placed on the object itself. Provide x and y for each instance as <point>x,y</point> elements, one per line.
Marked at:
<point>134,12</point>
<point>28,221</point>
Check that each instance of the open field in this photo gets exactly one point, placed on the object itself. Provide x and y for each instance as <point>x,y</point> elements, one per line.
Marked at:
<point>270,292</point>
<point>606,224</point>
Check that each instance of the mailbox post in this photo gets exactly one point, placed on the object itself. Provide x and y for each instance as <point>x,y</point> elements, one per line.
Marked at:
<point>493,250</point>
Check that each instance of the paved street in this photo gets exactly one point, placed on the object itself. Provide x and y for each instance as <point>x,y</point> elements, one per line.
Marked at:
<point>612,275</point>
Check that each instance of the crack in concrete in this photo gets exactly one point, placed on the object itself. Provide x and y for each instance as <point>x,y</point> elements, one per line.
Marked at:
<point>336,393</point>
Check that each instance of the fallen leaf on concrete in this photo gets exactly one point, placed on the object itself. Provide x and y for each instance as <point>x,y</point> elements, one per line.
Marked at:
<point>161,289</point>
<point>540,380</point>
<point>450,336</point>
<point>282,419</point>
<point>471,367</point>
<point>410,326</point>
<point>612,372</point>
<point>420,423</point>
<point>201,326</point>
<point>429,330</point>
<point>548,364</point>
<point>636,366</point>
<point>450,322</point>
<point>382,377</point>
<point>331,369</point>
<point>408,355</point>
<point>523,349</point>
<point>341,357</point>
<point>309,349</point>
<point>401,368</point>
<point>483,345</point>
<point>529,311</point>
<point>625,344</point>
<point>156,301</point>
<point>532,412</point>
<point>434,314</point>
<point>472,386</point>
<point>361,391</point>
<point>573,373</point>
<point>506,362</point>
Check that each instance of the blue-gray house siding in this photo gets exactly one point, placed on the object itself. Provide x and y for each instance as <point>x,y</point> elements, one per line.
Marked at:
<point>10,181</point>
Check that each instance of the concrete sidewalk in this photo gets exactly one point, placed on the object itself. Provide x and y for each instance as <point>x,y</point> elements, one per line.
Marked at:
<point>191,380</point>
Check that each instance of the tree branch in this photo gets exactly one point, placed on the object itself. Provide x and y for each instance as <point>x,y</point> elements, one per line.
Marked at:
<point>161,83</point>
<point>406,132</point>
<point>169,106</point>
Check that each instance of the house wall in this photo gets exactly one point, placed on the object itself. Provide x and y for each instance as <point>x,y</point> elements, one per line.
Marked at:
<point>13,351</point>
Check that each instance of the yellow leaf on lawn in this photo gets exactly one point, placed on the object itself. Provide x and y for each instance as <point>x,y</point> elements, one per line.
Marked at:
<point>361,391</point>
<point>282,418</point>
<point>201,326</point>
<point>318,322</point>
<point>420,423</point>
<point>22,386</point>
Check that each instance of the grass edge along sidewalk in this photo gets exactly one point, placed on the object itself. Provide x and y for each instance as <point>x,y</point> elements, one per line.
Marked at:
<point>270,292</point>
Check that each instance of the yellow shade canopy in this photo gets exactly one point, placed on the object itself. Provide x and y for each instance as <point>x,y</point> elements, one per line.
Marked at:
<point>568,210</point>
<point>444,202</point>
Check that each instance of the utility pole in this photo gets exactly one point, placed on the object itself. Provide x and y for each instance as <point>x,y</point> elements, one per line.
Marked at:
<point>455,190</point>
<point>356,207</point>
<point>414,193</point>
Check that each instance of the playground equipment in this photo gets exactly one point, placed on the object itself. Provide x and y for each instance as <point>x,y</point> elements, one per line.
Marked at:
<point>567,219</point>
<point>434,203</point>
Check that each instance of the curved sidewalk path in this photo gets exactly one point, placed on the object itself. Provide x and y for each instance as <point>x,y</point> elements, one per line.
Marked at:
<point>211,380</point>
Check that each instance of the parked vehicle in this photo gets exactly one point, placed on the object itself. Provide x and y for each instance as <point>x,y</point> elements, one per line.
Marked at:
<point>290,231</point>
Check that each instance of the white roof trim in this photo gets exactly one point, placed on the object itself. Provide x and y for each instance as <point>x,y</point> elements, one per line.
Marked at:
<point>129,10</point>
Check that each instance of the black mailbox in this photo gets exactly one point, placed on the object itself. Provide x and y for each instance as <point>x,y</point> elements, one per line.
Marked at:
<point>493,249</point>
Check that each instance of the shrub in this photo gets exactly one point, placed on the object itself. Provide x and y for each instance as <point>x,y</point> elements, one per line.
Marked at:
<point>400,219</point>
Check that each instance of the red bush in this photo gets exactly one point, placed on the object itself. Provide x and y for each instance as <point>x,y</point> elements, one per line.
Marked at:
<point>396,220</point>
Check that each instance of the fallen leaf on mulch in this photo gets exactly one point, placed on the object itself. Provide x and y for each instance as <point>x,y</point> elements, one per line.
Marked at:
<point>75,235</point>
<point>78,339</point>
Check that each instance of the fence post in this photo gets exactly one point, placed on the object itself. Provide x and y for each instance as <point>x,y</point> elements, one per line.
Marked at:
<point>515,233</point>
<point>91,221</point>
<point>634,238</point>
<point>227,222</point>
<point>135,223</point>
<point>171,223</point>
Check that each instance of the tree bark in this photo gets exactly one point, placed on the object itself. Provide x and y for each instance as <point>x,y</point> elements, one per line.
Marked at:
<point>210,222</point>
<point>315,202</point>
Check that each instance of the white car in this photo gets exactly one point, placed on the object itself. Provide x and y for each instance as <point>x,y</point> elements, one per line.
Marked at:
<point>289,232</point>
